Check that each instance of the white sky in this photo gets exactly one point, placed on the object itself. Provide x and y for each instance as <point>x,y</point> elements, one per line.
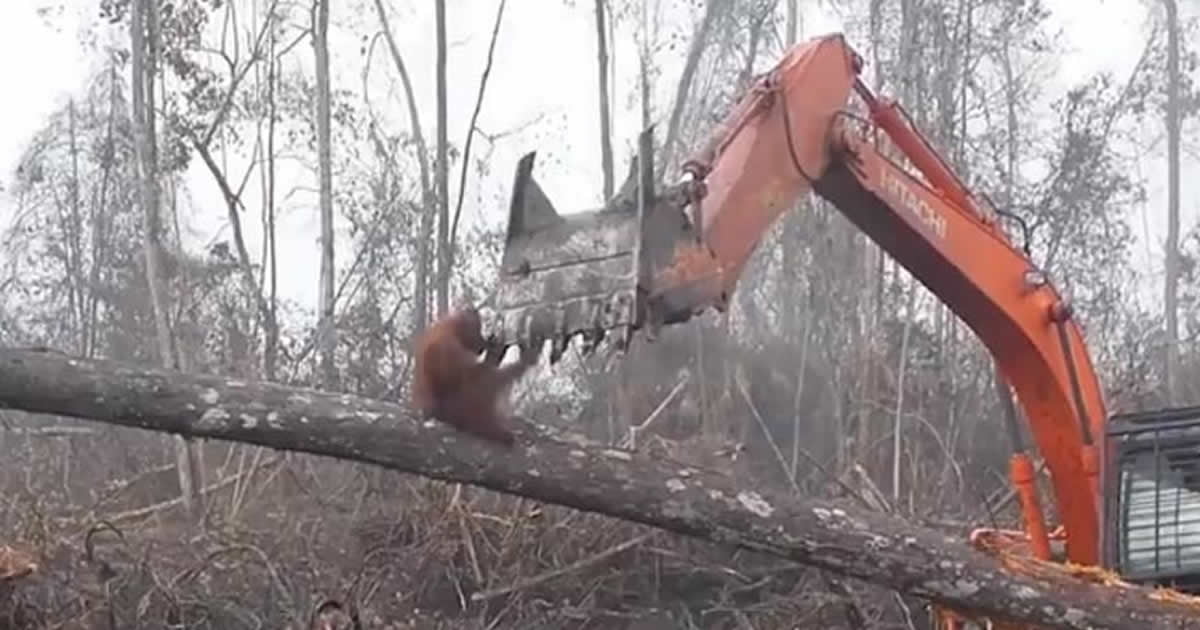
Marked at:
<point>545,64</point>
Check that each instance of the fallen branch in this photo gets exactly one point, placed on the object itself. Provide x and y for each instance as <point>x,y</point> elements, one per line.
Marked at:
<point>579,565</point>
<point>150,510</point>
<point>876,548</point>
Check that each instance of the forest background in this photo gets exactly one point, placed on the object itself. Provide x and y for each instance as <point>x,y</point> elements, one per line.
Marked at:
<point>289,191</point>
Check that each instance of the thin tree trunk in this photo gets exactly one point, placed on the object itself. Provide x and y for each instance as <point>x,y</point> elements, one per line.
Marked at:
<point>99,218</point>
<point>606,151</point>
<point>901,373</point>
<point>684,88</point>
<point>793,22</point>
<point>791,247</point>
<point>620,416</point>
<point>143,105</point>
<point>143,31</point>
<point>232,202</point>
<point>797,408</point>
<point>466,152</point>
<point>1010,95</point>
<point>421,289</point>
<point>75,254</point>
<point>874,276</point>
<point>271,352</point>
<point>326,333</point>
<point>1171,288</point>
<point>442,168</point>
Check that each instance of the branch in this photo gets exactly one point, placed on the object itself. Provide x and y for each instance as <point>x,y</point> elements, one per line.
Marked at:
<point>483,80</point>
<point>236,76</point>
<point>876,548</point>
<point>427,196</point>
<point>232,203</point>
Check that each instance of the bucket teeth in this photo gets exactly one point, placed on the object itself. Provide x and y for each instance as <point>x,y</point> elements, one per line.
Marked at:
<point>587,273</point>
<point>563,276</point>
<point>591,340</point>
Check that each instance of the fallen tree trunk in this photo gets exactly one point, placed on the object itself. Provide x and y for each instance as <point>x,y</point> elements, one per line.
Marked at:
<point>873,547</point>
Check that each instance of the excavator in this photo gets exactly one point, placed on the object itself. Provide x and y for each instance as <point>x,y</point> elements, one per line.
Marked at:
<point>1126,487</point>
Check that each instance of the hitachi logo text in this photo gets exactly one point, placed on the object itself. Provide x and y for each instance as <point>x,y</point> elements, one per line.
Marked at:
<point>914,203</point>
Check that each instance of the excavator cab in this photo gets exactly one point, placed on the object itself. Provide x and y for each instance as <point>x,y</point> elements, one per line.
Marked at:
<point>1152,485</point>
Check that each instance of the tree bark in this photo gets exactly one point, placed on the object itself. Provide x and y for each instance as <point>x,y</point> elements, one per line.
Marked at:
<point>606,152</point>
<point>1171,265</point>
<point>100,220</point>
<point>144,44</point>
<point>271,352</point>
<point>793,23</point>
<point>842,538</point>
<point>471,128</point>
<point>683,89</point>
<point>442,172</point>
<point>266,310</point>
<point>325,338</point>
<point>420,315</point>
<point>74,240</point>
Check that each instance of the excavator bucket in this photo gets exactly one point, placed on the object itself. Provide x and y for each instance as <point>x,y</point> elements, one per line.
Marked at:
<point>586,273</point>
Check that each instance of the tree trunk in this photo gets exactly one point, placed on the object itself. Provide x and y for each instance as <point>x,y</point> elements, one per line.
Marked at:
<point>684,87</point>
<point>442,168</point>
<point>271,351</point>
<point>901,373</point>
<point>266,311</point>
<point>326,339</point>
<point>606,151</point>
<point>146,149</point>
<point>471,127</point>
<point>143,36</point>
<point>100,220</point>
<point>325,328</point>
<point>793,22</point>
<point>420,313</point>
<point>75,241</point>
<point>1171,288</point>
<point>791,247</point>
<point>842,538</point>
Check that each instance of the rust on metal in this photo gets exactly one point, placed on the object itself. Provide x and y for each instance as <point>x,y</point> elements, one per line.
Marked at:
<point>589,273</point>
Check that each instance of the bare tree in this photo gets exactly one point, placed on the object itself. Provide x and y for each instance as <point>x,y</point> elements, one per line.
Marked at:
<point>793,22</point>
<point>325,326</point>
<point>472,128</point>
<point>700,41</point>
<point>1171,281</point>
<point>606,151</point>
<point>143,35</point>
<point>99,220</point>
<point>263,39</point>
<point>428,196</point>
<point>442,168</point>
<point>271,352</point>
<point>74,242</point>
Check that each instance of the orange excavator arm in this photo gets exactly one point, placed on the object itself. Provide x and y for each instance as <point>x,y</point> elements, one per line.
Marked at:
<point>650,258</point>
<point>791,135</point>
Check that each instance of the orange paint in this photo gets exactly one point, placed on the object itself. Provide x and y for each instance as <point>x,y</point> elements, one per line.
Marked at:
<point>789,135</point>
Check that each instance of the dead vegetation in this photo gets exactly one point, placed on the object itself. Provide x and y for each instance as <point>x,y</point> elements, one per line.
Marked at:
<point>300,538</point>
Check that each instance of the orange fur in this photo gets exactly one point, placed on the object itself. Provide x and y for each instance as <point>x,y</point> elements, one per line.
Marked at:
<point>452,384</point>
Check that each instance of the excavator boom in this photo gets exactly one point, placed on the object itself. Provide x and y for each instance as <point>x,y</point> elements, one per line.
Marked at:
<point>641,261</point>
<point>655,257</point>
